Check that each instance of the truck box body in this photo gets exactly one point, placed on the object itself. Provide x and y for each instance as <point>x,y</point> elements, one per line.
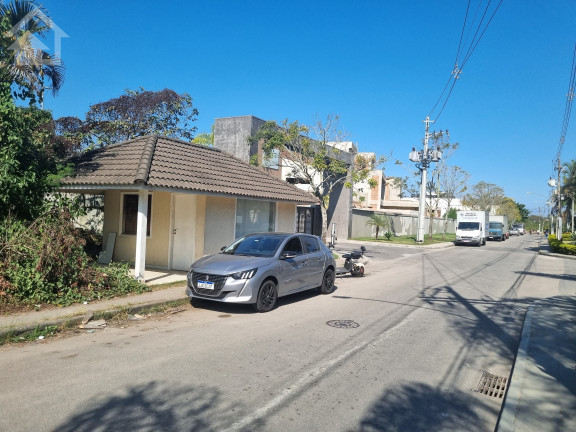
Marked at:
<point>520,227</point>
<point>471,227</point>
<point>498,227</point>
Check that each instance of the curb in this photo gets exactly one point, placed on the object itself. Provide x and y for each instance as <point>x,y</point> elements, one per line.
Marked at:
<point>373,243</point>
<point>507,419</point>
<point>557,255</point>
<point>75,319</point>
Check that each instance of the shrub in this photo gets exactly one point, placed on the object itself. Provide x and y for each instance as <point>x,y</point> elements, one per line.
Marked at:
<point>45,262</point>
<point>558,246</point>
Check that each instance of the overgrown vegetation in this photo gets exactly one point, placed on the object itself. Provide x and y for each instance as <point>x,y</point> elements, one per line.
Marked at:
<point>44,262</point>
<point>40,332</point>
<point>42,255</point>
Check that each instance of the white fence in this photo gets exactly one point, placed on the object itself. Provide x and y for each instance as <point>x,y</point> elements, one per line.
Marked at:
<point>400,224</point>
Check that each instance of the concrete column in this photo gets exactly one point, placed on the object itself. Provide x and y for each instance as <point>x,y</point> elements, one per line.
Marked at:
<point>140,260</point>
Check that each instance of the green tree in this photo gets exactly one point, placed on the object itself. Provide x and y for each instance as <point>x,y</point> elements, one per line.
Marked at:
<point>312,157</point>
<point>28,169</point>
<point>137,113</point>
<point>484,196</point>
<point>28,151</point>
<point>569,190</point>
<point>379,221</point>
<point>452,213</point>
<point>205,138</point>
<point>524,212</point>
<point>508,207</point>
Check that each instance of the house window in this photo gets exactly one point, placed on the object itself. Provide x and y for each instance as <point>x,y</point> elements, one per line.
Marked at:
<point>273,161</point>
<point>130,214</point>
<point>254,216</point>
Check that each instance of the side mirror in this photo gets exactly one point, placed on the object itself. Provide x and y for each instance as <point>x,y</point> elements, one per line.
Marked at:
<point>287,255</point>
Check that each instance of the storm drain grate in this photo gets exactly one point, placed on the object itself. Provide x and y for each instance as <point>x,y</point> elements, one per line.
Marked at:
<point>343,324</point>
<point>492,385</point>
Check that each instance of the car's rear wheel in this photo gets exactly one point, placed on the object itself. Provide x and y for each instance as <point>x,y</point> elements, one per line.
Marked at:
<point>267,297</point>
<point>327,282</point>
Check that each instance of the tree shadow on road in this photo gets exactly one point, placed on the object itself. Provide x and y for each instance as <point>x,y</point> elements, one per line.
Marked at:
<point>419,407</point>
<point>155,407</point>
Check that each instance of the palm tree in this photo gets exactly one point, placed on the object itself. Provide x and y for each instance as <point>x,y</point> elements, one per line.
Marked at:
<point>569,189</point>
<point>21,63</point>
<point>379,221</point>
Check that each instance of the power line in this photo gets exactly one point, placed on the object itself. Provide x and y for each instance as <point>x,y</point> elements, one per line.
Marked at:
<point>568,107</point>
<point>459,63</point>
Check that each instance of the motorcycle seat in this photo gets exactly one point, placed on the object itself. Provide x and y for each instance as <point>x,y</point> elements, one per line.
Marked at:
<point>353,255</point>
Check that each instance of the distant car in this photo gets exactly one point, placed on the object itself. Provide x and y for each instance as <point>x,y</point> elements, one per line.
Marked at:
<point>259,268</point>
<point>513,232</point>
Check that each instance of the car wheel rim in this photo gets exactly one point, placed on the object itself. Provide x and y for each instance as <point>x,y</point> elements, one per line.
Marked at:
<point>268,295</point>
<point>328,280</point>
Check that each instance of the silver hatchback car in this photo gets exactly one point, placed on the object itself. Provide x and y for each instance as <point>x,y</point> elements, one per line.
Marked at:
<point>259,268</point>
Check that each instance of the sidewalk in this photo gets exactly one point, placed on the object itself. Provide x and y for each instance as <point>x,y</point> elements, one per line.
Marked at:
<point>542,392</point>
<point>541,396</point>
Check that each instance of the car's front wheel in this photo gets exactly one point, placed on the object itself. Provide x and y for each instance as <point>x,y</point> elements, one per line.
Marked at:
<point>327,282</point>
<point>267,296</point>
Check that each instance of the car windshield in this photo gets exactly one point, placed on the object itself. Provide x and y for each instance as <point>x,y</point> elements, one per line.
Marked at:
<point>258,246</point>
<point>468,225</point>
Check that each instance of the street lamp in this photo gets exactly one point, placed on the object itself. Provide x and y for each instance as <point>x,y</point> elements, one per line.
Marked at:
<point>423,158</point>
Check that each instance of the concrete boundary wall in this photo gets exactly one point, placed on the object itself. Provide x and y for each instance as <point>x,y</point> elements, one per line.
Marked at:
<point>401,224</point>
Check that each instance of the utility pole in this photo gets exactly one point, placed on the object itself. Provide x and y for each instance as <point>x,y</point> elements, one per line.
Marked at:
<point>423,184</point>
<point>559,191</point>
<point>423,159</point>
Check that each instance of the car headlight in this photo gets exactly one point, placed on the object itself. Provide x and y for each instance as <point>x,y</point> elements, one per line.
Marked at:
<point>246,274</point>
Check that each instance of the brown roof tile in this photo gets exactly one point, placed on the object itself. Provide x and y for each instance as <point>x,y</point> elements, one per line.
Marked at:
<point>161,162</point>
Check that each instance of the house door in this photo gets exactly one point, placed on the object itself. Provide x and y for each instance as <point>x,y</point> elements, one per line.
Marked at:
<point>184,231</point>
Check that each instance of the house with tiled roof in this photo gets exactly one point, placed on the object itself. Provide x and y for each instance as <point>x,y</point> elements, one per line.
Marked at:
<point>169,202</point>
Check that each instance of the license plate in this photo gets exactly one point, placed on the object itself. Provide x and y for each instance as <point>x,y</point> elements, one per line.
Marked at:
<point>206,285</point>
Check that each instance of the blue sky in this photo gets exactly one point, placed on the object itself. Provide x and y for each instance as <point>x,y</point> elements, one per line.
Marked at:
<point>379,64</point>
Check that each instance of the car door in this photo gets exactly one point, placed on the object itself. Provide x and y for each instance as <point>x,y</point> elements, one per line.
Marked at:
<point>293,266</point>
<point>315,261</point>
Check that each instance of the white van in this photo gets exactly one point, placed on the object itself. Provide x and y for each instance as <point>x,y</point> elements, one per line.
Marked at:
<point>471,227</point>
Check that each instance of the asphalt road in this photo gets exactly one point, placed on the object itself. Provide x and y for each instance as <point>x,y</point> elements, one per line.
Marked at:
<point>401,349</point>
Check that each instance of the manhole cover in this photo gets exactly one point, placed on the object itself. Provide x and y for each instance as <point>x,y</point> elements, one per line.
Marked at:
<point>343,324</point>
<point>492,385</point>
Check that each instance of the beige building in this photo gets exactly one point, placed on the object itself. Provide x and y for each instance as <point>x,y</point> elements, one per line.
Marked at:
<point>169,202</point>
